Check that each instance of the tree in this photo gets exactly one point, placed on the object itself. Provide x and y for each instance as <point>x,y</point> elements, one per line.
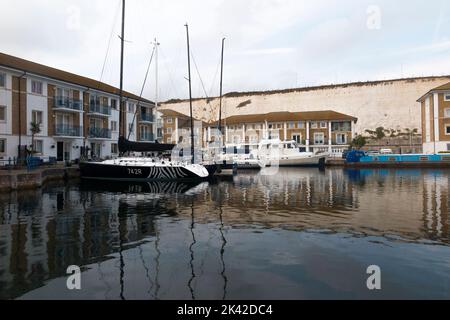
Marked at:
<point>35,129</point>
<point>380,133</point>
<point>358,142</point>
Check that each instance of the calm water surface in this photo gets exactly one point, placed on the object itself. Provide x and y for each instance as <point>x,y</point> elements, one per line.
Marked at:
<point>301,234</point>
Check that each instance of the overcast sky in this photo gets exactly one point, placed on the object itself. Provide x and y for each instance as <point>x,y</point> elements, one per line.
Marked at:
<point>271,44</point>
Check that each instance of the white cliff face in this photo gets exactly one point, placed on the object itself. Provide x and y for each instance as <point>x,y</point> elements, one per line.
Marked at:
<point>388,104</point>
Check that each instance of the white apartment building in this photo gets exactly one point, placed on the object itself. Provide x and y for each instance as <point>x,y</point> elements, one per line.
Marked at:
<point>75,115</point>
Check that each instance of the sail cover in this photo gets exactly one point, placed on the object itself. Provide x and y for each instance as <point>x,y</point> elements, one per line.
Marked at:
<point>126,146</point>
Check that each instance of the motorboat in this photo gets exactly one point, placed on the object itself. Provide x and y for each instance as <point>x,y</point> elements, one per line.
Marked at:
<point>288,154</point>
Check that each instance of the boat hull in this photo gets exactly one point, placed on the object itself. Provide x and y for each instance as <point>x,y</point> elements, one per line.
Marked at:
<point>249,164</point>
<point>314,161</point>
<point>99,171</point>
<point>359,159</point>
<point>226,168</point>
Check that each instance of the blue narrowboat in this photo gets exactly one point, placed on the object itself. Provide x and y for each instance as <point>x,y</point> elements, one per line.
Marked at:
<point>358,158</point>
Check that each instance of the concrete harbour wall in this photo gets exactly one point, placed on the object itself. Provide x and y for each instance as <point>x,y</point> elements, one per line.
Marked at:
<point>23,179</point>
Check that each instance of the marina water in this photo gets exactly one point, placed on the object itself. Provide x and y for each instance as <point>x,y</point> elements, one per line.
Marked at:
<point>299,234</point>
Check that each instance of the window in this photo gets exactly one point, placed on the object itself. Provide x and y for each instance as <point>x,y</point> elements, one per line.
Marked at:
<point>114,148</point>
<point>2,113</point>
<point>131,107</point>
<point>341,126</point>
<point>169,120</point>
<point>38,146</point>
<point>114,103</point>
<point>274,135</point>
<point>291,125</point>
<point>36,87</point>
<point>323,125</point>
<point>95,123</point>
<point>447,96</point>
<point>447,129</point>
<point>236,139</point>
<point>319,138</point>
<point>63,93</point>
<point>113,125</point>
<point>341,138</point>
<point>36,116</point>
<point>94,100</point>
<point>297,138</point>
<point>63,120</point>
<point>2,80</point>
<point>313,125</point>
<point>254,139</point>
<point>169,130</point>
<point>447,113</point>
<point>301,125</point>
<point>2,146</point>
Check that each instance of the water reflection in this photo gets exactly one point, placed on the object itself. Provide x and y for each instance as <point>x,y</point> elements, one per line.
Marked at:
<point>195,241</point>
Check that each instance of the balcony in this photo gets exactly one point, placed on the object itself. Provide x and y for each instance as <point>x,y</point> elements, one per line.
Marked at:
<point>68,131</point>
<point>67,104</point>
<point>147,137</point>
<point>99,133</point>
<point>146,117</point>
<point>99,109</point>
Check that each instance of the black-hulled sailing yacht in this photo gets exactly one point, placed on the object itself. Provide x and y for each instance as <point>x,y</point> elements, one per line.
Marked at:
<point>142,168</point>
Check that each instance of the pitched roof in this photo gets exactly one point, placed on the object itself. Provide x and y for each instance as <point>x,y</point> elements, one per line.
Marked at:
<point>444,87</point>
<point>289,116</point>
<point>173,113</point>
<point>56,74</point>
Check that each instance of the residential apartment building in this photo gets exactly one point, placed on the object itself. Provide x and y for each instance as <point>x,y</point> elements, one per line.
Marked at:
<point>435,108</point>
<point>314,131</point>
<point>75,115</point>
<point>177,128</point>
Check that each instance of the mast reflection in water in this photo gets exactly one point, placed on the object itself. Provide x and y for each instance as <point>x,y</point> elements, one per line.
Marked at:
<point>303,233</point>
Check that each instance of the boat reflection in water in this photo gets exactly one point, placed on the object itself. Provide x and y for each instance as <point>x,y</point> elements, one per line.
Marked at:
<point>147,187</point>
<point>307,233</point>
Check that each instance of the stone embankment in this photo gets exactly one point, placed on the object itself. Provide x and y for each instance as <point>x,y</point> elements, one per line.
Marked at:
<point>29,179</point>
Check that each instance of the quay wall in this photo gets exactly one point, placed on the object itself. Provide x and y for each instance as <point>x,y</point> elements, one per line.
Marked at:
<point>22,179</point>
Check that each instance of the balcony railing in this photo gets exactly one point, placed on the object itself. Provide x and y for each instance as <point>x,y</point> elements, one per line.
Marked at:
<point>99,133</point>
<point>67,103</point>
<point>147,117</point>
<point>147,137</point>
<point>68,131</point>
<point>100,109</point>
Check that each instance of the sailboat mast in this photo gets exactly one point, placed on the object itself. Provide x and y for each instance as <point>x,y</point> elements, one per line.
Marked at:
<point>190,94</point>
<point>156,73</point>
<point>220,98</point>
<point>122,125</point>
